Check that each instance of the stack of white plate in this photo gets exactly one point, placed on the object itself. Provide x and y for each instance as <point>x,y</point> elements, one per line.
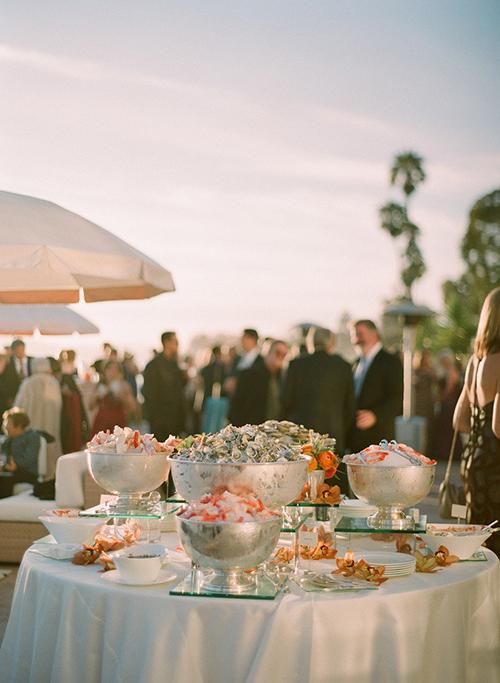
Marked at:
<point>356,508</point>
<point>396,564</point>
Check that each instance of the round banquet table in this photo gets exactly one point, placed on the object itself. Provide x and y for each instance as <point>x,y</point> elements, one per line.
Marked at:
<point>70,625</point>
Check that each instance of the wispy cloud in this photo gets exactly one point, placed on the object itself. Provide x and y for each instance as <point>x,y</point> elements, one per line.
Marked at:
<point>88,70</point>
<point>338,117</point>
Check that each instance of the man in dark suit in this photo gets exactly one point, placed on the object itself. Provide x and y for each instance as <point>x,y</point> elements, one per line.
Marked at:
<point>17,369</point>
<point>319,391</point>
<point>250,356</point>
<point>163,390</point>
<point>378,384</point>
<point>258,392</point>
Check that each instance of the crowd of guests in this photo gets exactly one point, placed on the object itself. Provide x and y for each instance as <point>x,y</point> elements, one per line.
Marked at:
<point>43,402</point>
<point>49,410</point>
<point>437,386</point>
<point>251,382</point>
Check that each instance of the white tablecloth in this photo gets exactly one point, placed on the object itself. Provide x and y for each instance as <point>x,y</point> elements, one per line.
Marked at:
<point>69,625</point>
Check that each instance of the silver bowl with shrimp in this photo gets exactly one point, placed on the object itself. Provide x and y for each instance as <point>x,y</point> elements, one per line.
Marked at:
<point>228,549</point>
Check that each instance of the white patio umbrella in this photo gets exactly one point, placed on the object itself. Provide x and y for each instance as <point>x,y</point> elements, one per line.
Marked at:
<point>49,254</point>
<point>21,319</point>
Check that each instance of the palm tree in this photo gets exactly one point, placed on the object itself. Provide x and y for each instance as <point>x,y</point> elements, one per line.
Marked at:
<point>407,172</point>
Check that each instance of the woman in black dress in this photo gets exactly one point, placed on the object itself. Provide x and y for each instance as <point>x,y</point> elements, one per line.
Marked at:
<point>478,414</point>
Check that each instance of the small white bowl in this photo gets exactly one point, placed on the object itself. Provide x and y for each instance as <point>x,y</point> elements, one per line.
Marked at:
<point>72,529</point>
<point>459,543</point>
<point>140,563</point>
<point>356,508</point>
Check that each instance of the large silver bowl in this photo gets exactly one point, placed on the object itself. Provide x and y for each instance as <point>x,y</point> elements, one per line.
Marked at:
<point>128,476</point>
<point>391,489</point>
<point>275,483</point>
<point>228,548</point>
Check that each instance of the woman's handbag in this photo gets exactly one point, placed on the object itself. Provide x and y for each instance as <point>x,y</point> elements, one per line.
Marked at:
<point>450,493</point>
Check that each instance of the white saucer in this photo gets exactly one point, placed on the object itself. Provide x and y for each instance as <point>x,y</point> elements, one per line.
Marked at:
<point>165,576</point>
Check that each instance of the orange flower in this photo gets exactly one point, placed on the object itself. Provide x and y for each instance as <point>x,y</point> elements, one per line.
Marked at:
<point>330,473</point>
<point>313,464</point>
<point>327,460</point>
<point>307,448</point>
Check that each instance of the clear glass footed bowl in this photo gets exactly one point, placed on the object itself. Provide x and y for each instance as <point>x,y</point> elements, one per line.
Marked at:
<point>128,476</point>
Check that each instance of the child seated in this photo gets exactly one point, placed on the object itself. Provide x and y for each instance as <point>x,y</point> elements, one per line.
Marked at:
<point>21,448</point>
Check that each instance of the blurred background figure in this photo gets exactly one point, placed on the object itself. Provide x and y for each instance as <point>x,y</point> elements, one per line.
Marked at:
<point>4,391</point>
<point>319,390</point>
<point>378,387</point>
<point>40,397</point>
<point>258,391</point>
<point>250,348</point>
<point>215,403</point>
<point>249,356</point>
<point>18,368</point>
<point>108,353</point>
<point>163,390</point>
<point>191,386</point>
<point>113,399</point>
<point>130,372</point>
<point>231,361</point>
<point>478,415</point>
<point>20,448</point>
<point>449,385</point>
<point>425,388</point>
<point>75,429</point>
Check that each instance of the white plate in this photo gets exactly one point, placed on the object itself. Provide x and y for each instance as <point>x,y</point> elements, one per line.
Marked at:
<point>395,564</point>
<point>356,508</point>
<point>394,575</point>
<point>391,561</point>
<point>165,576</point>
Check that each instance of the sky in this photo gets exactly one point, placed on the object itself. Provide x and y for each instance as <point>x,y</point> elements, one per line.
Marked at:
<point>246,146</point>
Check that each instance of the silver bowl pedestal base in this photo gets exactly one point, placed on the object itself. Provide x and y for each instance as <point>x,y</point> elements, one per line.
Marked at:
<point>232,581</point>
<point>390,517</point>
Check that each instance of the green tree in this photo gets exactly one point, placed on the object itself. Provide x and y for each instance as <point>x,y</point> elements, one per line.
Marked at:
<point>463,298</point>
<point>407,173</point>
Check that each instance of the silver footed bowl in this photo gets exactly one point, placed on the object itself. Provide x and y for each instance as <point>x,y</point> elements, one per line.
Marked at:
<point>391,489</point>
<point>275,483</point>
<point>228,548</point>
<point>128,474</point>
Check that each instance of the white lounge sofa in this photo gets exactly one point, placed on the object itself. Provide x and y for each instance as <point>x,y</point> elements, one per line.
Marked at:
<point>19,524</point>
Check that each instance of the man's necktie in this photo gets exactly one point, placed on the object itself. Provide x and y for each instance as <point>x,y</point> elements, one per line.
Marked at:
<point>359,376</point>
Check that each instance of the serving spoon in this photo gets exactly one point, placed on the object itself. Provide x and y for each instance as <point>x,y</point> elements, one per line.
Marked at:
<point>490,527</point>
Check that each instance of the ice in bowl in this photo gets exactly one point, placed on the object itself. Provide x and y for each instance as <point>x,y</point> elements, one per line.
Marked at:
<point>240,459</point>
<point>128,464</point>
<point>392,476</point>
<point>389,454</point>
